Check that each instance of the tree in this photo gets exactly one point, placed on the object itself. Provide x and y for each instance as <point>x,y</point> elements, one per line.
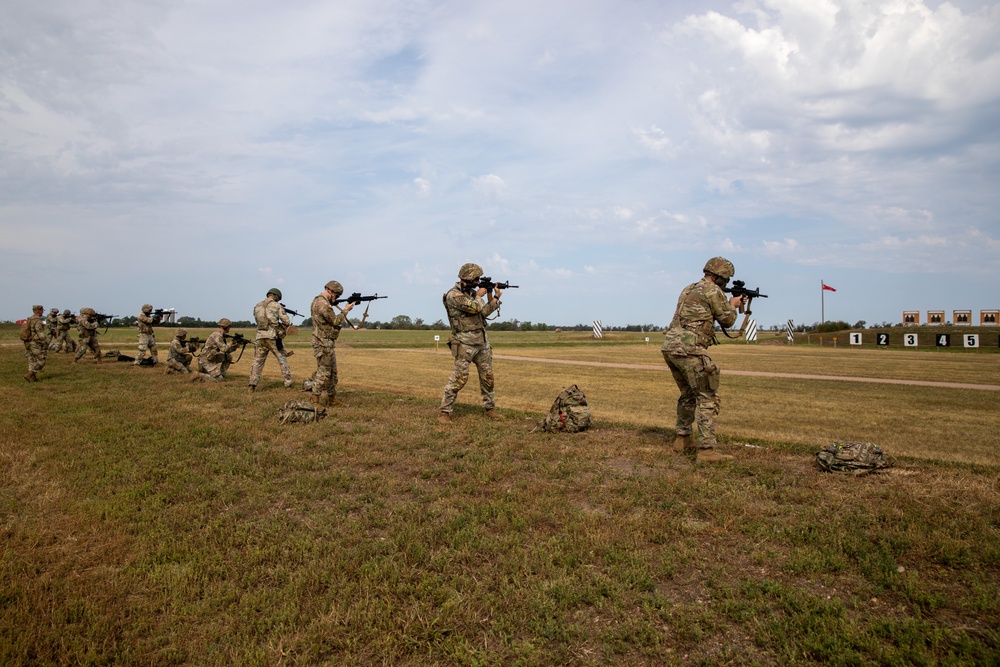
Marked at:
<point>401,322</point>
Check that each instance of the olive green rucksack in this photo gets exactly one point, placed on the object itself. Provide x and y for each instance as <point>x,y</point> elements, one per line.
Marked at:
<point>569,412</point>
<point>858,458</point>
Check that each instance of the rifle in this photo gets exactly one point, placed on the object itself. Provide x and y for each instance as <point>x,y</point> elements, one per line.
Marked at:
<point>100,318</point>
<point>357,298</point>
<point>485,282</point>
<point>240,340</point>
<point>291,312</point>
<point>192,341</point>
<point>739,288</point>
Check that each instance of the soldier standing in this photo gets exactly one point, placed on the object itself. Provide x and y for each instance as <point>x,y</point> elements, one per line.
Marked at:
<point>467,313</point>
<point>271,324</point>
<point>216,355</point>
<point>685,349</point>
<point>64,343</point>
<point>147,338</point>
<point>86,325</point>
<point>180,354</point>
<point>36,343</point>
<point>327,323</point>
<point>51,328</point>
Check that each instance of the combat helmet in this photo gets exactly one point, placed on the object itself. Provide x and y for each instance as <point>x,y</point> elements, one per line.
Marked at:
<point>54,311</point>
<point>66,313</point>
<point>88,311</point>
<point>334,287</point>
<point>720,266</point>
<point>470,271</point>
<point>225,323</point>
<point>275,291</point>
<point>182,333</point>
<point>147,307</point>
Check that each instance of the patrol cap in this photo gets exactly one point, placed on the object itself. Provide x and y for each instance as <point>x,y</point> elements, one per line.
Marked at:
<point>37,307</point>
<point>334,287</point>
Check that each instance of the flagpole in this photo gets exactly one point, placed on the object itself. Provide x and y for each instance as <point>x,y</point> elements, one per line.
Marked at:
<point>822,303</point>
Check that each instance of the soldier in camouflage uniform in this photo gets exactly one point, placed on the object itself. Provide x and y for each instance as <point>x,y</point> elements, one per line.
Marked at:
<point>271,324</point>
<point>327,323</point>
<point>685,349</point>
<point>467,313</point>
<point>51,328</point>
<point>147,338</point>
<point>86,325</point>
<point>64,343</point>
<point>216,355</point>
<point>180,354</point>
<point>37,346</point>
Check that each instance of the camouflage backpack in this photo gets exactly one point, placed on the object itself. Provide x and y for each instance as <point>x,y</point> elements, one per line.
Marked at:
<point>569,412</point>
<point>300,412</point>
<point>853,457</point>
<point>24,333</point>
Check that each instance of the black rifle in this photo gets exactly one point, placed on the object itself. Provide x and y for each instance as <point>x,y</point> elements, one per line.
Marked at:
<point>486,283</point>
<point>739,288</point>
<point>357,298</point>
<point>192,341</point>
<point>240,340</point>
<point>291,312</point>
<point>101,318</point>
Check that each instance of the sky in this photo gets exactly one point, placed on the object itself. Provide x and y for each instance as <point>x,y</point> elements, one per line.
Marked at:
<point>194,154</point>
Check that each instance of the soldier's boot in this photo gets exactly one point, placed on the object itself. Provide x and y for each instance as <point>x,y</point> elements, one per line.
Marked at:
<point>288,383</point>
<point>100,360</point>
<point>337,403</point>
<point>289,353</point>
<point>197,377</point>
<point>684,444</point>
<point>251,388</point>
<point>76,360</point>
<point>494,415</point>
<point>712,456</point>
<point>444,418</point>
<point>31,377</point>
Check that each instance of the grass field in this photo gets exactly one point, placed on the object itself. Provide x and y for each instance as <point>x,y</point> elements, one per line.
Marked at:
<point>146,520</point>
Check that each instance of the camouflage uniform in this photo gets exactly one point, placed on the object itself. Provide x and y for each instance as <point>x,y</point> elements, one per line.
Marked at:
<point>51,328</point>
<point>86,324</point>
<point>327,323</point>
<point>64,343</point>
<point>271,324</point>
<point>147,338</point>
<point>215,357</point>
<point>685,349</point>
<point>469,345</point>
<point>37,346</point>
<point>180,355</point>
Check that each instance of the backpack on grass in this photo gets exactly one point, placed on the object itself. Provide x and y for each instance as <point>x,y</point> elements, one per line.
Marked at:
<point>300,412</point>
<point>853,457</point>
<point>569,412</point>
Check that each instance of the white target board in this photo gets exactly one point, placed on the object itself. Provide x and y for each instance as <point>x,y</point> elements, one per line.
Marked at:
<point>855,338</point>
<point>970,340</point>
<point>910,340</point>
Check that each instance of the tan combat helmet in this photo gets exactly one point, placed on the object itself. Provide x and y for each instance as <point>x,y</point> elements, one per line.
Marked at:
<point>720,266</point>
<point>182,333</point>
<point>334,287</point>
<point>225,323</point>
<point>147,307</point>
<point>54,311</point>
<point>470,271</point>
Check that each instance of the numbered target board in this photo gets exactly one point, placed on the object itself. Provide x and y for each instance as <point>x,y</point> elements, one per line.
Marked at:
<point>970,340</point>
<point>855,339</point>
<point>910,340</point>
<point>882,339</point>
<point>942,340</point>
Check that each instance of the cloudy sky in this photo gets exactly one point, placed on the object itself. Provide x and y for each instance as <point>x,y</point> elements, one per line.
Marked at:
<point>193,154</point>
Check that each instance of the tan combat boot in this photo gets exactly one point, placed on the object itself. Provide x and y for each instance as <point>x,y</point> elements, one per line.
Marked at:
<point>712,456</point>
<point>684,444</point>
<point>494,415</point>
<point>251,388</point>
<point>31,377</point>
<point>444,418</point>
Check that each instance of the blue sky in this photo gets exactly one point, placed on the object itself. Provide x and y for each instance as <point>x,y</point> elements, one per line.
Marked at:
<point>194,154</point>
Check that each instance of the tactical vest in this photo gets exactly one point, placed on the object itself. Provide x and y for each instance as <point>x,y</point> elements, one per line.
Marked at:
<point>462,322</point>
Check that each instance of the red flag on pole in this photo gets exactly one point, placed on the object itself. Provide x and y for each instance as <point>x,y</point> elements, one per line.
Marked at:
<point>827,287</point>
